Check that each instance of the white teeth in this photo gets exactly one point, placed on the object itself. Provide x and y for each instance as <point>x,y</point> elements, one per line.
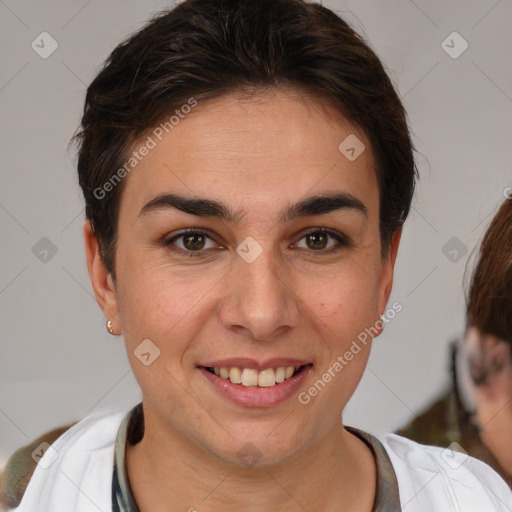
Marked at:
<point>251,377</point>
<point>280,374</point>
<point>235,375</point>
<point>266,378</point>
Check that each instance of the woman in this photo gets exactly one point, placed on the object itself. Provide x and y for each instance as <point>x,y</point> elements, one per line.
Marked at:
<point>247,169</point>
<point>477,412</point>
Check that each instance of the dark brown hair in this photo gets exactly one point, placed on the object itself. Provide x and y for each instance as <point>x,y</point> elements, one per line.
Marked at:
<point>489,302</point>
<point>205,48</point>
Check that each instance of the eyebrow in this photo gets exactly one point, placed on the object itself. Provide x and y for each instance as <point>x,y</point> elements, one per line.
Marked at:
<point>314,205</point>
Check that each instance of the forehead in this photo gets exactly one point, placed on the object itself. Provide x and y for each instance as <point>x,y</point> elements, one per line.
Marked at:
<point>273,146</point>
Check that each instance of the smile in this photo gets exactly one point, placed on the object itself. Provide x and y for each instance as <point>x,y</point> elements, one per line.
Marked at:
<point>256,387</point>
<point>254,378</point>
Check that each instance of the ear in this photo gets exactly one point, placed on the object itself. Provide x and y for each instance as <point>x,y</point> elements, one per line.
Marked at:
<point>101,280</point>
<point>387,272</point>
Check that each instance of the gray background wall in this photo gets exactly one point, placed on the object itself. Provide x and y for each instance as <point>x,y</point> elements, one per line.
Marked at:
<point>57,363</point>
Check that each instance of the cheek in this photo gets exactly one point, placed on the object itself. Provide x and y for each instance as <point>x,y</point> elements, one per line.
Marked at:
<point>163,305</point>
<point>170,313</point>
<point>344,309</point>
<point>346,300</point>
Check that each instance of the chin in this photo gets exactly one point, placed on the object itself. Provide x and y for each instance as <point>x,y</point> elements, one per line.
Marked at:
<point>257,451</point>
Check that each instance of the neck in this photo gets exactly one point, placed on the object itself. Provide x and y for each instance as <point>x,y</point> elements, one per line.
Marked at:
<point>168,469</point>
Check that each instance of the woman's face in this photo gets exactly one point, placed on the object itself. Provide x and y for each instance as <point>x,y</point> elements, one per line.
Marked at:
<point>272,275</point>
<point>490,368</point>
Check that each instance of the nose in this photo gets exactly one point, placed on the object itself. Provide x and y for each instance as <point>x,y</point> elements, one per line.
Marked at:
<point>259,298</point>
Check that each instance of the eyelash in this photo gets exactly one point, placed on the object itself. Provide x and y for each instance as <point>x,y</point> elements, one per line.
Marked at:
<point>343,242</point>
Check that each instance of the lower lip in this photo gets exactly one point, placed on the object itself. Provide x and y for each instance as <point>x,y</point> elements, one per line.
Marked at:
<point>252,396</point>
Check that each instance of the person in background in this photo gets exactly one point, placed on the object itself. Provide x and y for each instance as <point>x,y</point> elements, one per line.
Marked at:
<point>476,412</point>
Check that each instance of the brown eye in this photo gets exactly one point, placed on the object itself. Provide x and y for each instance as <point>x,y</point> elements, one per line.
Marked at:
<point>194,242</point>
<point>191,242</point>
<point>317,240</point>
<point>322,241</point>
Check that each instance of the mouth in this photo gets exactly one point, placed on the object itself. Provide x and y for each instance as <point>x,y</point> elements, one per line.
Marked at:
<point>252,377</point>
<point>250,383</point>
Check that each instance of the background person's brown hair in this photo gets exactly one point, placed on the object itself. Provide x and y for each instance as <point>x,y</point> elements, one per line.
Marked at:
<point>489,302</point>
<point>204,48</point>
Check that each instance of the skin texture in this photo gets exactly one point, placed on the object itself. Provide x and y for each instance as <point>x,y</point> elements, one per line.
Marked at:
<point>257,156</point>
<point>491,357</point>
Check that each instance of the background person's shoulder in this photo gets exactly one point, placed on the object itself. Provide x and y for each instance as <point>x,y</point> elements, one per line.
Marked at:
<point>432,476</point>
<point>14,478</point>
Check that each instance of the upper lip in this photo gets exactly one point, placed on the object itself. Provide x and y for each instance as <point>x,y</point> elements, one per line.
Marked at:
<point>247,362</point>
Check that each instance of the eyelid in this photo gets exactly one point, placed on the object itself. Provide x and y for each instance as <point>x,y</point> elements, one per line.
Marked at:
<point>342,239</point>
<point>166,241</point>
<point>186,231</point>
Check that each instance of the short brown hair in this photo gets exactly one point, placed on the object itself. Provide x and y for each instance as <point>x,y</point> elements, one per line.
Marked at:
<point>204,48</point>
<point>489,303</point>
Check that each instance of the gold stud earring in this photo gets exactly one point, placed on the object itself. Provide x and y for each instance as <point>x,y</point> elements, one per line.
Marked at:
<point>110,328</point>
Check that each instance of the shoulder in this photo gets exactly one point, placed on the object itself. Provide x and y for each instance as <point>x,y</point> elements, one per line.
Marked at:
<point>21,465</point>
<point>89,433</point>
<point>430,476</point>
